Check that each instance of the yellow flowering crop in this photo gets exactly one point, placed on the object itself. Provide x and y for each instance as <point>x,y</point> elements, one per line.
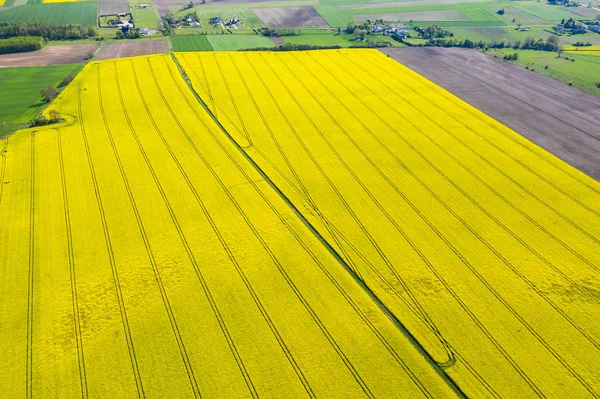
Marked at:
<point>143,255</point>
<point>484,245</point>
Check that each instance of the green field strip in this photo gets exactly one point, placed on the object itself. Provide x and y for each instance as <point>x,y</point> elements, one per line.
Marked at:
<point>334,15</point>
<point>430,7</point>
<point>191,43</point>
<point>82,13</point>
<point>458,24</point>
<point>318,40</point>
<point>238,42</point>
<point>20,89</point>
<point>544,11</point>
<point>480,14</point>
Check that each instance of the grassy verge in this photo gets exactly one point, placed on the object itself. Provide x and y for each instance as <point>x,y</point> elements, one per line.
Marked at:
<point>580,71</point>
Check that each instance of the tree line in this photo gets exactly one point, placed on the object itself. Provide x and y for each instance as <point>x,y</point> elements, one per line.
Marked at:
<point>21,44</point>
<point>551,44</point>
<point>46,30</point>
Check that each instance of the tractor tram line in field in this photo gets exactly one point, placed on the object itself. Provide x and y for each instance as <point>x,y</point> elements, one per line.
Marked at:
<point>219,235</point>
<point>277,262</point>
<point>3,152</point>
<point>415,306</point>
<point>113,266</point>
<point>30,286</point>
<point>519,140</point>
<point>72,270</point>
<point>398,228</point>
<point>531,284</point>
<point>151,258</point>
<point>331,249</point>
<point>589,263</point>
<point>457,252</point>
<point>436,365</point>
<point>488,245</point>
<point>498,194</point>
<point>299,224</point>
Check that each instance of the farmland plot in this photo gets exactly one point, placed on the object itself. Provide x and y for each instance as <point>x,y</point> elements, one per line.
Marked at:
<point>143,255</point>
<point>484,245</point>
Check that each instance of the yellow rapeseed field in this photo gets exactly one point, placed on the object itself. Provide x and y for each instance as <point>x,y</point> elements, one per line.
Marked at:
<point>143,255</point>
<point>484,245</point>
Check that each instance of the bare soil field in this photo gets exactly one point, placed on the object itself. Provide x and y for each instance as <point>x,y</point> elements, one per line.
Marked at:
<point>555,116</point>
<point>290,17</point>
<point>132,49</point>
<point>50,55</point>
<point>106,7</point>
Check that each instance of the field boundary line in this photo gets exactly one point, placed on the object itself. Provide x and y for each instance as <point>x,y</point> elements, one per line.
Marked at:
<point>3,152</point>
<point>232,258</point>
<point>305,193</point>
<point>222,324</point>
<point>29,361</point>
<point>141,228</point>
<point>291,284</point>
<point>187,363</point>
<point>399,325</point>
<point>110,253</point>
<point>72,274</point>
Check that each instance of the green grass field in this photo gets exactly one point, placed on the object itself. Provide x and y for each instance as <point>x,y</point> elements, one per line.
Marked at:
<point>543,11</point>
<point>334,15</point>
<point>190,43</point>
<point>83,13</point>
<point>318,40</point>
<point>20,98</point>
<point>144,17</point>
<point>583,72</point>
<point>238,42</point>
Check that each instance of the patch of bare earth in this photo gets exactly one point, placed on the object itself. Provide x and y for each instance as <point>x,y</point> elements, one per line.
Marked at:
<point>131,49</point>
<point>50,55</point>
<point>559,118</point>
<point>109,7</point>
<point>290,17</point>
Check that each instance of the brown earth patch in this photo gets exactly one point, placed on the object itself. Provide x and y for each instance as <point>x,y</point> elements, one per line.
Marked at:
<point>559,118</point>
<point>50,55</point>
<point>290,17</point>
<point>132,49</point>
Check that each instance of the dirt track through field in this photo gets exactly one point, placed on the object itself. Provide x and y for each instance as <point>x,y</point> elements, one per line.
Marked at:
<point>132,49</point>
<point>290,17</point>
<point>51,55</point>
<point>555,116</point>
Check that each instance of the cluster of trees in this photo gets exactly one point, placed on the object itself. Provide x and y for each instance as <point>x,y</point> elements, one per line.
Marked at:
<point>581,44</point>
<point>551,44</point>
<point>53,117</point>
<point>47,30</point>
<point>21,44</point>
<point>280,32</point>
<point>352,27</point>
<point>294,47</point>
<point>433,32</point>
<point>131,34</point>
